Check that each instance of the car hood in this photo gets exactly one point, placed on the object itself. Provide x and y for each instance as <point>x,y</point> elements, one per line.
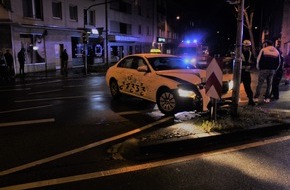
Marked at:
<point>191,75</point>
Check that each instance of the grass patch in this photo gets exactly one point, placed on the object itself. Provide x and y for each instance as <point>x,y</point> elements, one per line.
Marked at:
<point>247,117</point>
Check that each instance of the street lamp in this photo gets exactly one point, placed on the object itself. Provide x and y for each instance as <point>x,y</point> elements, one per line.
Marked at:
<point>85,34</point>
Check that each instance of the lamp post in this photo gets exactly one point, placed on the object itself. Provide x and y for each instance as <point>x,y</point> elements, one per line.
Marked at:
<point>85,32</point>
<point>238,56</point>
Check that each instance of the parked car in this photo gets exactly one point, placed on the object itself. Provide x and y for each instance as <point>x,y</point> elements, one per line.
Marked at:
<point>160,78</point>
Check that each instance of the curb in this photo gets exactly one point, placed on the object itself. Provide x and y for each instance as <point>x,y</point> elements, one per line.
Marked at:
<point>134,149</point>
<point>175,145</point>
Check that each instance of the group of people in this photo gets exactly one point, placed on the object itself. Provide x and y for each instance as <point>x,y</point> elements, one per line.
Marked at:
<point>7,66</point>
<point>270,65</point>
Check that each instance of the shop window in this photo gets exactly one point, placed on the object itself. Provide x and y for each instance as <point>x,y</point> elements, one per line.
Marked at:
<point>34,48</point>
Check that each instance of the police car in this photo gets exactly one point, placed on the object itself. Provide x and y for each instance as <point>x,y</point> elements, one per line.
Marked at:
<point>160,78</point>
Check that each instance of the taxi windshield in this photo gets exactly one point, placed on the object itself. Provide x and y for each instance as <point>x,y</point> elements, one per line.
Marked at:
<point>168,63</point>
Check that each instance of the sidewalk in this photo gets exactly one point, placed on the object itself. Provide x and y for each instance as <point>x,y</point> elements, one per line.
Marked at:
<point>52,74</point>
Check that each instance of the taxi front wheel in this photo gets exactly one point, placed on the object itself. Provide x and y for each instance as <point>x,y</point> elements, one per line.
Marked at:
<point>114,88</point>
<point>167,102</point>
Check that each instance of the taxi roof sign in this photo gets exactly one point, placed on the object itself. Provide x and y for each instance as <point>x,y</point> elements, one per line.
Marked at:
<point>155,51</point>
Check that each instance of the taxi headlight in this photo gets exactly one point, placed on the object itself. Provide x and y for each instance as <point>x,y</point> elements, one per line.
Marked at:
<point>186,93</point>
<point>193,60</point>
<point>227,86</point>
<point>231,85</point>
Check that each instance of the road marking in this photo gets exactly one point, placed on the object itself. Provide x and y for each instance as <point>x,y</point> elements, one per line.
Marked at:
<point>133,112</point>
<point>46,99</point>
<point>43,92</point>
<point>83,148</point>
<point>38,83</point>
<point>150,165</point>
<point>27,122</point>
<point>16,89</point>
<point>24,109</point>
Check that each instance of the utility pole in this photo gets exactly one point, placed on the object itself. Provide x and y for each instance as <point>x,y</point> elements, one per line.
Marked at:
<point>238,57</point>
<point>85,22</point>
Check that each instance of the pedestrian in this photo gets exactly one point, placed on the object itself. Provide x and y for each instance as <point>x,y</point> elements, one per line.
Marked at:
<point>287,68</point>
<point>21,60</point>
<point>247,64</point>
<point>277,77</point>
<point>64,60</point>
<point>268,62</point>
<point>3,66</point>
<point>9,61</point>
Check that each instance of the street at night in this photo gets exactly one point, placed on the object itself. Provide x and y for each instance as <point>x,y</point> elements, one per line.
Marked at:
<point>56,133</point>
<point>144,94</point>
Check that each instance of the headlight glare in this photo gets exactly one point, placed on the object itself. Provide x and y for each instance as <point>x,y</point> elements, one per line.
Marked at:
<point>186,93</point>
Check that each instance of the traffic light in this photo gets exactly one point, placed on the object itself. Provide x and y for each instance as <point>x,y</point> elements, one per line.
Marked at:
<point>85,38</point>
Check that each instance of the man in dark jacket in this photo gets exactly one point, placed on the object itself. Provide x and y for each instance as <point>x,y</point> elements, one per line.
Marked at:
<point>277,77</point>
<point>268,61</point>
<point>64,60</point>
<point>9,60</point>
<point>21,60</point>
<point>247,62</point>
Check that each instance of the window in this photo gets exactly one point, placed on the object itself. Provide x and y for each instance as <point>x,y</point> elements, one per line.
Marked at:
<point>121,6</point>
<point>92,18</point>
<point>32,9</point>
<point>73,12</point>
<point>56,10</point>
<point>119,27</point>
<point>140,29</point>
<point>148,30</point>
<point>125,28</point>
<point>139,10</point>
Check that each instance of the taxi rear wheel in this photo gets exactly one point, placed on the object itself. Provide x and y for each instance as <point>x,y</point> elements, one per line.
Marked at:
<point>167,102</point>
<point>114,88</point>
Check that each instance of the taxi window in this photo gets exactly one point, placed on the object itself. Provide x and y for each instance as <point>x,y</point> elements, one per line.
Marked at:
<point>137,63</point>
<point>126,63</point>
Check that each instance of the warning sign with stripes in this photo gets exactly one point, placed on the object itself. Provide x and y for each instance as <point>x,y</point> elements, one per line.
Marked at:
<point>214,77</point>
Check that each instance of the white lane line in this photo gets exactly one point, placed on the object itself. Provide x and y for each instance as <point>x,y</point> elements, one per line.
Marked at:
<point>83,148</point>
<point>45,99</point>
<point>40,83</point>
<point>74,86</point>
<point>44,92</point>
<point>24,109</point>
<point>150,165</point>
<point>27,122</point>
<point>132,112</point>
<point>16,89</point>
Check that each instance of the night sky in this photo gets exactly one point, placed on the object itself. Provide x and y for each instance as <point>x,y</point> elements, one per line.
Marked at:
<point>216,20</point>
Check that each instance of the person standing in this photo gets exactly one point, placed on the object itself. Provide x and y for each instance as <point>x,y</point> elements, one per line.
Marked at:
<point>268,62</point>
<point>64,60</point>
<point>21,60</point>
<point>287,68</point>
<point>277,77</point>
<point>247,63</point>
<point>9,61</point>
<point>3,66</point>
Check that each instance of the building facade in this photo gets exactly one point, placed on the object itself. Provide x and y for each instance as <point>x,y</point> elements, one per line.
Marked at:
<point>44,28</point>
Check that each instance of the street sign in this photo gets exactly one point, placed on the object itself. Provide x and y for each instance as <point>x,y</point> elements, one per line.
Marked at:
<point>214,76</point>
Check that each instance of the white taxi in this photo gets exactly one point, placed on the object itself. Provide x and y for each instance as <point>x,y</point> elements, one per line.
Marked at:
<point>160,78</point>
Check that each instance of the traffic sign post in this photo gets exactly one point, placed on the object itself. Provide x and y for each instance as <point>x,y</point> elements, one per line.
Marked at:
<point>214,76</point>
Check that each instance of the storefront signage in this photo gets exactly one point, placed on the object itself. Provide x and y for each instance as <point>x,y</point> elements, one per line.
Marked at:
<point>161,40</point>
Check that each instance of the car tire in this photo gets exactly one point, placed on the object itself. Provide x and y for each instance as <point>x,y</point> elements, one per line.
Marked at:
<point>114,89</point>
<point>167,102</point>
